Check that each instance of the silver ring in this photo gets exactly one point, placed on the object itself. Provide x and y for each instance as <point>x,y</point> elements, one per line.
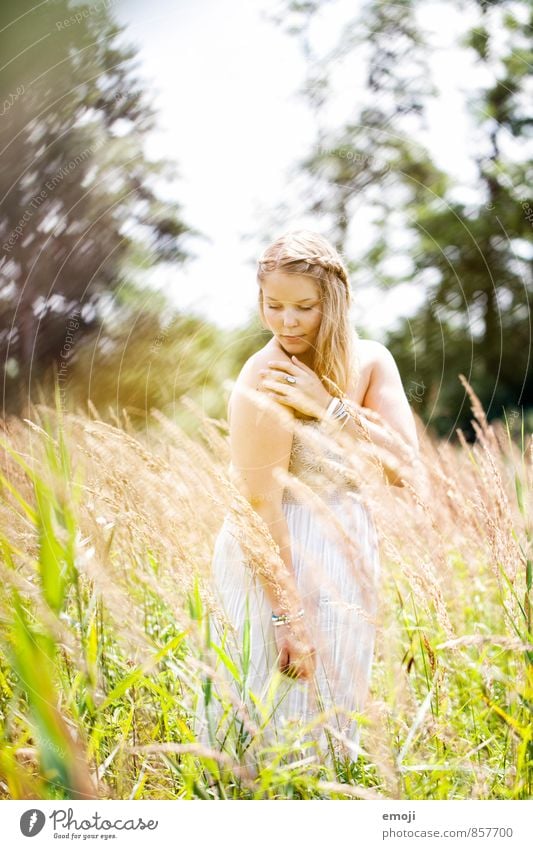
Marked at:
<point>290,379</point>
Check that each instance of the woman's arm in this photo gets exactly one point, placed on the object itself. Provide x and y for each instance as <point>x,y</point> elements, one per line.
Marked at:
<point>385,395</point>
<point>396,432</point>
<point>260,443</point>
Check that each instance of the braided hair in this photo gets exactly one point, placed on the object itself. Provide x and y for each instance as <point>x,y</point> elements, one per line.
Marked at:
<point>309,253</point>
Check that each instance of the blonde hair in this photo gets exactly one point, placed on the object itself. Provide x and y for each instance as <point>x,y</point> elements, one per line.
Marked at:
<point>309,253</point>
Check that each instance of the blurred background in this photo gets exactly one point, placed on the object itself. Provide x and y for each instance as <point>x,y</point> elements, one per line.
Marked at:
<point>148,152</point>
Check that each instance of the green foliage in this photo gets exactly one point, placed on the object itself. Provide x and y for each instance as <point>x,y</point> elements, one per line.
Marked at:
<point>470,260</point>
<point>80,202</point>
<point>147,356</point>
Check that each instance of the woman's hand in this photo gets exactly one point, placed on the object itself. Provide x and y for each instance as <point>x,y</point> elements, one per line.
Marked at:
<point>296,653</point>
<point>303,391</point>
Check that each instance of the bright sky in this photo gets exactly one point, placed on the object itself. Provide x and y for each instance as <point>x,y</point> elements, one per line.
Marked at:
<point>225,83</point>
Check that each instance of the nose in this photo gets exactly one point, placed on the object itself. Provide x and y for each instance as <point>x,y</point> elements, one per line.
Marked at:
<point>289,320</point>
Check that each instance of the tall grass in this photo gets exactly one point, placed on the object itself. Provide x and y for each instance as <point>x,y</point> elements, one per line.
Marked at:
<point>108,661</point>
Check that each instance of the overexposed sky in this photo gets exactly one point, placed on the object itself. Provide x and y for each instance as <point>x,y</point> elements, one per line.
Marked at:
<point>225,82</point>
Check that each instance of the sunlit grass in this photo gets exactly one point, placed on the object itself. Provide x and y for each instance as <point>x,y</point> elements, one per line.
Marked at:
<point>109,659</point>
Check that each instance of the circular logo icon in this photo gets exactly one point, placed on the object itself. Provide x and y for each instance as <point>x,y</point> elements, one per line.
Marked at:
<point>32,822</point>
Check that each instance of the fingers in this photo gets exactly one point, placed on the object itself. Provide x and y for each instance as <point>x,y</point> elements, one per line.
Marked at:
<point>299,671</point>
<point>301,365</point>
<point>278,385</point>
<point>281,392</point>
<point>294,366</point>
<point>280,368</point>
<point>283,365</point>
<point>278,397</point>
<point>302,668</point>
<point>292,669</point>
<point>283,659</point>
<point>288,664</point>
<point>277,378</point>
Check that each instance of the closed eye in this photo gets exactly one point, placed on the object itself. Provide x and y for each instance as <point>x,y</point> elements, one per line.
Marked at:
<point>271,307</point>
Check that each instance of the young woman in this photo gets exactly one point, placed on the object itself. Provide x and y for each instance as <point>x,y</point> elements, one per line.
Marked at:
<point>313,617</point>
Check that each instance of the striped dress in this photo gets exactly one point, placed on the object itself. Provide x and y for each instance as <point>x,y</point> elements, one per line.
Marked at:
<point>335,559</point>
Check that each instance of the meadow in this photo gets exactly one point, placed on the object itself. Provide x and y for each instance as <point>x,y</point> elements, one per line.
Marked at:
<point>107,656</point>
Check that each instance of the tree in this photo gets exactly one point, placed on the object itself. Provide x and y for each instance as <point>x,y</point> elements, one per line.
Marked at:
<point>470,261</point>
<point>80,199</point>
<point>477,253</point>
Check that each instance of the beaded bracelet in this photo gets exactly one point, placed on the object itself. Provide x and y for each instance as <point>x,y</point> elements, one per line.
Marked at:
<point>286,618</point>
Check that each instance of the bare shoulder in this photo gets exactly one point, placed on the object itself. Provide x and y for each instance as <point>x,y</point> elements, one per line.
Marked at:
<point>372,357</point>
<point>249,374</point>
<point>259,360</point>
<point>385,393</point>
<point>371,352</point>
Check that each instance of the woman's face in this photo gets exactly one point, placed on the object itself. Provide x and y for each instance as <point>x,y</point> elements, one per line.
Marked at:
<point>293,310</point>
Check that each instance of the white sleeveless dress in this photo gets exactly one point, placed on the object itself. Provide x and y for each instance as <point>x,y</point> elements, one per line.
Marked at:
<point>336,564</point>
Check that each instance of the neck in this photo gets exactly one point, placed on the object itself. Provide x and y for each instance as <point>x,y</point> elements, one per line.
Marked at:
<point>307,357</point>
